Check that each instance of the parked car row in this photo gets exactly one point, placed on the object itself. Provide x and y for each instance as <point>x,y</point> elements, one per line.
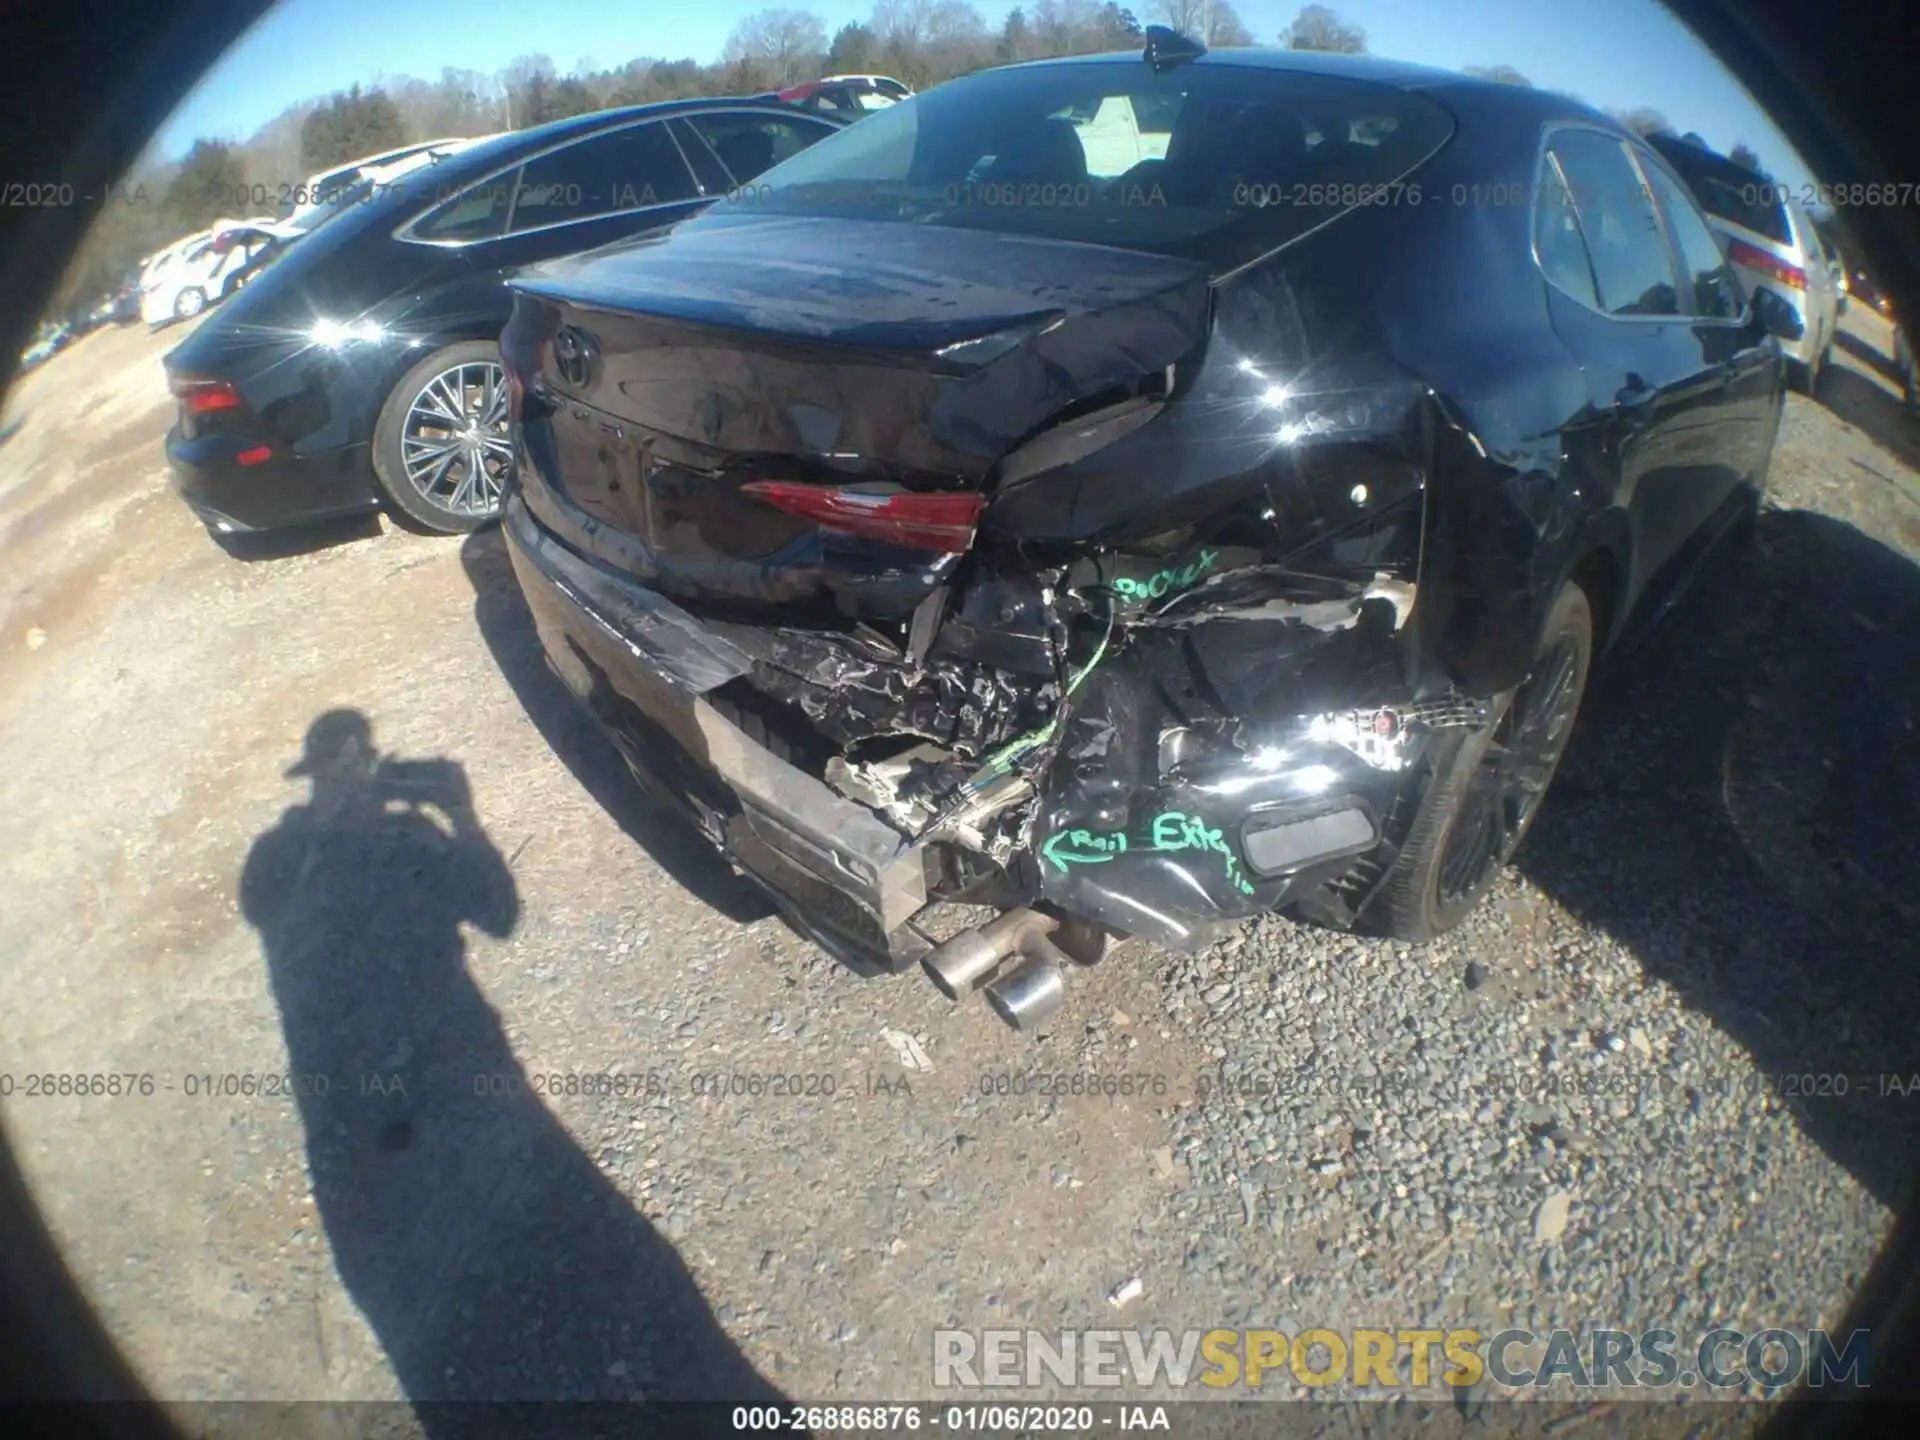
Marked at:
<point>49,340</point>
<point>1774,245</point>
<point>1132,565</point>
<point>363,368</point>
<point>845,97</point>
<point>119,307</point>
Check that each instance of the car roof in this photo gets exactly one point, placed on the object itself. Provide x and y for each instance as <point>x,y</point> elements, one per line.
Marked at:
<point>499,149</point>
<point>383,157</point>
<point>1374,69</point>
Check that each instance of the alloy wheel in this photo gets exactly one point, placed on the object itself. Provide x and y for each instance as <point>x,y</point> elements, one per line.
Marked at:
<point>1505,793</point>
<point>454,444</point>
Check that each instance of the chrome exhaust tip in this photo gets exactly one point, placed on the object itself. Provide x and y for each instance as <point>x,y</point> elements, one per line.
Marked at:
<point>959,966</point>
<point>1029,993</point>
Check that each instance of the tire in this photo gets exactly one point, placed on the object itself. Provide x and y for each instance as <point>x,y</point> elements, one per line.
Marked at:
<point>189,303</point>
<point>452,498</point>
<point>1433,886</point>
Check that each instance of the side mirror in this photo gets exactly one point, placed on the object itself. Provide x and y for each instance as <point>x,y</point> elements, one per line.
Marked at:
<point>1777,316</point>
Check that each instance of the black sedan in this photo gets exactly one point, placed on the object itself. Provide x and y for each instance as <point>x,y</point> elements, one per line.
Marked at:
<point>361,368</point>
<point>1135,552</point>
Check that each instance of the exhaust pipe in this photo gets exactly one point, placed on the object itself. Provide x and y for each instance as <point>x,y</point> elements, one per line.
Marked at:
<point>960,965</point>
<point>1031,991</point>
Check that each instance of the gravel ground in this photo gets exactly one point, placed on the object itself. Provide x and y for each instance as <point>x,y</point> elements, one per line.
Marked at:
<point>1556,1116</point>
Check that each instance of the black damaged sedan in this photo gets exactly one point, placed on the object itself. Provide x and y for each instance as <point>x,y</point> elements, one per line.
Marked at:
<point>1134,552</point>
<point>360,367</point>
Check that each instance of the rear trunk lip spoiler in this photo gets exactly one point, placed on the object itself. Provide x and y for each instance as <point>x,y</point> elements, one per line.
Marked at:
<point>840,842</point>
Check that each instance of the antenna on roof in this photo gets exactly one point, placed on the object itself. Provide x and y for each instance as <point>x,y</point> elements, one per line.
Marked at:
<point>1168,48</point>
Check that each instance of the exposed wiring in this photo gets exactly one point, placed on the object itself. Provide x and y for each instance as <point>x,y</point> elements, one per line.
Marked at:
<point>1002,760</point>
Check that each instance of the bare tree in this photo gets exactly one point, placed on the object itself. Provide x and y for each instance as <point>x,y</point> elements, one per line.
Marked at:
<point>1016,37</point>
<point>1188,17</point>
<point>926,22</point>
<point>1071,27</point>
<point>954,22</point>
<point>1318,28</point>
<point>1225,30</point>
<point>521,77</point>
<point>1642,120</point>
<point>783,42</point>
<point>1505,74</point>
<point>1211,22</point>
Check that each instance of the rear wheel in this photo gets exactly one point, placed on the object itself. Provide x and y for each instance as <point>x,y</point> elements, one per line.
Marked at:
<point>189,302</point>
<point>1487,786</point>
<point>441,447</point>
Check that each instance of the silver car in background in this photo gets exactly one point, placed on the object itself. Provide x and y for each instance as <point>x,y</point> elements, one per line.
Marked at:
<point>1771,241</point>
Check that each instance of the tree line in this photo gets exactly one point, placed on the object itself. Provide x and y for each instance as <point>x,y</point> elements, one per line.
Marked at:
<point>921,42</point>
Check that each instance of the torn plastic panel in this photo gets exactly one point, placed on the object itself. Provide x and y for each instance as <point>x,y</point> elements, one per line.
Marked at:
<point>856,686</point>
<point>681,649</point>
<point>1238,719</point>
<point>1183,674</point>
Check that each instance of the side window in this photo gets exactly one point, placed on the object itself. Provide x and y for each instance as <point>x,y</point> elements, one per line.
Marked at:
<point>749,143</point>
<point>625,170</point>
<point>1556,236</point>
<point>1631,265</point>
<point>1711,287</point>
<point>477,213</point>
<point>836,100</point>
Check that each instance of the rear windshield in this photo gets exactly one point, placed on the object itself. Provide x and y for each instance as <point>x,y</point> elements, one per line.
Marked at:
<point>1227,162</point>
<point>1732,192</point>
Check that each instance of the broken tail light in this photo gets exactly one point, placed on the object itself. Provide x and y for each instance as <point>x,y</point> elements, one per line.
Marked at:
<point>522,352</point>
<point>200,396</point>
<point>942,522</point>
<point>1772,266</point>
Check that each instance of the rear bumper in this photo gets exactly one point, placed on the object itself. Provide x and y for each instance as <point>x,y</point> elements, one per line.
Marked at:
<point>284,491</point>
<point>1189,854</point>
<point>642,666</point>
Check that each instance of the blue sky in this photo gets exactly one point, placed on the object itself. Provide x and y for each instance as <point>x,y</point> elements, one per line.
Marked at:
<point>1612,53</point>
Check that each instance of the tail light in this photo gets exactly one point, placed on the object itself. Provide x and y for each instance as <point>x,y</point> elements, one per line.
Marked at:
<point>200,396</point>
<point>943,522</point>
<point>1772,266</point>
<point>521,356</point>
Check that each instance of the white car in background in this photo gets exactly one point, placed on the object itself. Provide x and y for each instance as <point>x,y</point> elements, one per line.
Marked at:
<point>1773,245</point>
<point>321,183</point>
<point>201,270</point>
<point>846,96</point>
<point>207,267</point>
<point>157,272</point>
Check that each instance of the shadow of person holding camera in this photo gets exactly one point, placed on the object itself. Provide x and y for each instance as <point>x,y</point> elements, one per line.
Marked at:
<point>492,1258</point>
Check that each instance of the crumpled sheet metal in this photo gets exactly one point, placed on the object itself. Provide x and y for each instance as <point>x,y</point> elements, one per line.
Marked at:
<point>851,694</point>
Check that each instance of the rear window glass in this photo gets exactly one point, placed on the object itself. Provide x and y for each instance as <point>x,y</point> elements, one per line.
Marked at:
<point>1732,192</point>
<point>1227,162</point>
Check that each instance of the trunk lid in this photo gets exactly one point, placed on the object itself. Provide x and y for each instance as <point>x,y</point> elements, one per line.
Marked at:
<point>663,377</point>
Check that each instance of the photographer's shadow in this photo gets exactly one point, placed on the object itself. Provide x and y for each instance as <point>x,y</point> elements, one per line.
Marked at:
<point>492,1258</point>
